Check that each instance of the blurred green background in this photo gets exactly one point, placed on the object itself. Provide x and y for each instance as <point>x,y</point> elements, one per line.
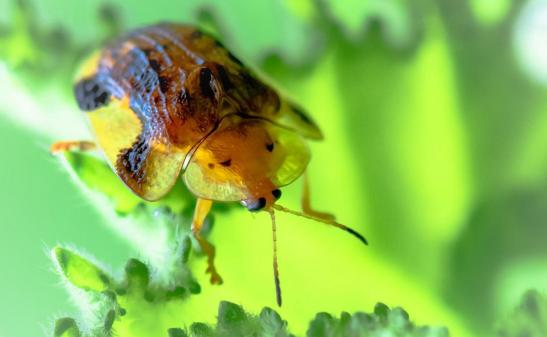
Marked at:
<point>435,117</point>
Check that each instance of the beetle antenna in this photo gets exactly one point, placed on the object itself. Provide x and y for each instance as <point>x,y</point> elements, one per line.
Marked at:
<point>328,222</point>
<point>275,265</point>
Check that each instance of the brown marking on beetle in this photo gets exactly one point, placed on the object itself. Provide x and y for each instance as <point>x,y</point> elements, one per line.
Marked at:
<point>184,97</point>
<point>91,94</point>
<point>206,84</point>
<point>226,163</point>
<point>131,162</point>
<point>155,65</point>
<point>224,78</point>
<point>147,52</point>
<point>164,84</point>
<point>196,34</point>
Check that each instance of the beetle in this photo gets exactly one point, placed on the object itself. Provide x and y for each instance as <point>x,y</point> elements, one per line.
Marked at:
<point>169,100</point>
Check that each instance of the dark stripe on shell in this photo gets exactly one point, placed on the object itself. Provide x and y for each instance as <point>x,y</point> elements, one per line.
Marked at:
<point>91,94</point>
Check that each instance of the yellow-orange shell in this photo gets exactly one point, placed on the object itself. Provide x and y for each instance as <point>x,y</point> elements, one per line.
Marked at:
<point>167,96</point>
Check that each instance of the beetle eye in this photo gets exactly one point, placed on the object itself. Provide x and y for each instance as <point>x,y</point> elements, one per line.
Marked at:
<point>276,193</point>
<point>254,205</point>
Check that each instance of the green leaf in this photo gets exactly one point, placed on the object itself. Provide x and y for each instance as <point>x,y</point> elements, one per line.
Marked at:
<point>145,305</point>
<point>80,272</point>
<point>490,267</point>
<point>254,29</point>
<point>17,46</point>
<point>141,302</point>
<point>109,320</point>
<point>176,332</point>
<point>234,321</point>
<point>384,322</point>
<point>137,274</point>
<point>201,330</point>
<point>272,323</point>
<point>230,315</point>
<point>98,176</point>
<point>490,12</point>
<point>381,310</point>
<point>66,327</point>
<point>321,325</point>
<point>528,319</point>
<point>397,18</point>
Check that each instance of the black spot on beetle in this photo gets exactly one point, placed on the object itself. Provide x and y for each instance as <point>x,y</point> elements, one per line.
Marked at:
<point>147,52</point>
<point>224,78</point>
<point>256,205</point>
<point>164,83</point>
<point>155,65</point>
<point>206,83</point>
<point>196,34</point>
<point>270,147</point>
<point>102,98</point>
<point>226,163</point>
<point>211,166</point>
<point>91,94</point>
<point>131,161</point>
<point>184,97</point>
<point>276,193</point>
<point>249,80</point>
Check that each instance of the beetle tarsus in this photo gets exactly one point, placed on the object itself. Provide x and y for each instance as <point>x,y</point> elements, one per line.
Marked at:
<point>203,207</point>
<point>73,145</point>
<point>306,202</point>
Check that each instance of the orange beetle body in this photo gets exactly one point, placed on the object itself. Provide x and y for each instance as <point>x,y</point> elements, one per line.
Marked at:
<point>168,98</point>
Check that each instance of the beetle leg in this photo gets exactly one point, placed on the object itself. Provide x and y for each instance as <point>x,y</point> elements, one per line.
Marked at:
<point>306,204</point>
<point>64,146</point>
<point>203,206</point>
